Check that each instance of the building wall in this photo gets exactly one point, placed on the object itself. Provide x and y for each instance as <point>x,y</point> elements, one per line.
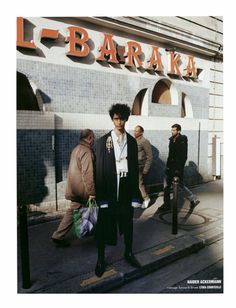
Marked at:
<point>77,93</point>
<point>205,32</point>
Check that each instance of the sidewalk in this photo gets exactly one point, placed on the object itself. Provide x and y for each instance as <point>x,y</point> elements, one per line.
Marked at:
<point>71,269</point>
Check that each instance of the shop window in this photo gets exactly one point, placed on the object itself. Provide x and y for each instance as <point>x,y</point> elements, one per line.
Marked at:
<point>186,110</point>
<point>26,98</point>
<point>140,103</point>
<point>165,92</point>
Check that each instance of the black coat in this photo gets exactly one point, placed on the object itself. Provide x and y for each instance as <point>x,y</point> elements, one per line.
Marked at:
<point>106,188</point>
<point>178,153</point>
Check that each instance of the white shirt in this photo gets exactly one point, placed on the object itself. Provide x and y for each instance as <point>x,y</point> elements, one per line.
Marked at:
<point>120,151</point>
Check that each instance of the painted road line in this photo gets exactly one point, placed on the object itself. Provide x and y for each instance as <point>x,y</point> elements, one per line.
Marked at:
<point>94,279</point>
<point>163,250</point>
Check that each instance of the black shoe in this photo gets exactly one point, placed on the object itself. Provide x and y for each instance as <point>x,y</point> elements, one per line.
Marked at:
<point>193,204</point>
<point>130,258</point>
<point>61,243</point>
<point>100,268</point>
<point>164,208</point>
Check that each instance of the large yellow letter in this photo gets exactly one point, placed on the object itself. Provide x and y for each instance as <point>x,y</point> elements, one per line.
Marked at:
<point>155,60</point>
<point>191,69</point>
<point>108,48</point>
<point>73,41</point>
<point>174,68</point>
<point>134,50</point>
<point>20,35</point>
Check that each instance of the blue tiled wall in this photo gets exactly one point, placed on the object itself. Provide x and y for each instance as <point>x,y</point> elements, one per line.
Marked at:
<point>77,90</point>
<point>41,171</point>
<point>39,167</point>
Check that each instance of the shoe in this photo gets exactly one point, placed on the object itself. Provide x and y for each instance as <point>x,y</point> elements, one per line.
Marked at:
<point>100,268</point>
<point>193,204</point>
<point>130,258</point>
<point>145,203</point>
<point>164,208</point>
<point>136,205</point>
<point>61,243</point>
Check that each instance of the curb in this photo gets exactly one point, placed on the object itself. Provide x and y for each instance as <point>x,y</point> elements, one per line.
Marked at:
<point>120,272</point>
<point>210,236</point>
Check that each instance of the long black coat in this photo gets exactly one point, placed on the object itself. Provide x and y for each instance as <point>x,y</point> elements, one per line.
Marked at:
<point>178,153</point>
<point>106,188</point>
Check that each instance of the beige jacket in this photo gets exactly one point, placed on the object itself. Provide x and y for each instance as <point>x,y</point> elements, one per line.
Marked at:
<point>144,153</point>
<point>80,177</point>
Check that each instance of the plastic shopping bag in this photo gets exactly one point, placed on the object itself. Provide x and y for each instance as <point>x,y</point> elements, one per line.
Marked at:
<point>85,219</point>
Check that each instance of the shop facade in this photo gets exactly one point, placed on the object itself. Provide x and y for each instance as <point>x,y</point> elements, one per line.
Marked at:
<point>71,70</point>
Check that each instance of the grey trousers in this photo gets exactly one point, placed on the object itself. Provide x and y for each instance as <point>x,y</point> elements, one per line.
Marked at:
<point>141,183</point>
<point>188,193</point>
<point>66,222</point>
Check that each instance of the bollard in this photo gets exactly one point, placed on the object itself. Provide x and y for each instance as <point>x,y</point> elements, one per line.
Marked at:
<point>175,205</point>
<point>24,246</point>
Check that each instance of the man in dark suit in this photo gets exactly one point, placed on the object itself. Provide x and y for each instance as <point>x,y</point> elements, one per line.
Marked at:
<point>178,153</point>
<point>117,189</point>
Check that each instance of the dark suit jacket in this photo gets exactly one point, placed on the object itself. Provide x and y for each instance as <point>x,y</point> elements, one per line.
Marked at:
<point>178,153</point>
<point>106,187</point>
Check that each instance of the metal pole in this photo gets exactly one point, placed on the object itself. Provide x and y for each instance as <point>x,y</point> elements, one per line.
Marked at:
<point>175,205</point>
<point>55,164</point>
<point>24,246</point>
<point>198,150</point>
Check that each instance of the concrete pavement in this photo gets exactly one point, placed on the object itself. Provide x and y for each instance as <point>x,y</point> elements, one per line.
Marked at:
<point>71,269</point>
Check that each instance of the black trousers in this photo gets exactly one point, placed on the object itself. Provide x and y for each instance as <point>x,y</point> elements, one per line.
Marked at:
<point>120,216</point>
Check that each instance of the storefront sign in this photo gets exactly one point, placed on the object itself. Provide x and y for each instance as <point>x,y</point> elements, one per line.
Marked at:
<point>110,52</point>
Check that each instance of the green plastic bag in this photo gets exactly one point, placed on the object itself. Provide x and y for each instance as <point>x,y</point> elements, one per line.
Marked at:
<point>85,219</point>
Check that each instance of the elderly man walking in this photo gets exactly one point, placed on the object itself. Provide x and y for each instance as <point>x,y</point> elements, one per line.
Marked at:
<point>80,185</point>
<point>144,161</point>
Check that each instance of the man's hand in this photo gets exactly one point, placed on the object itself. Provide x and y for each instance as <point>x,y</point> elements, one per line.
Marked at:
<point>145,172</point>
<point>92,197</point>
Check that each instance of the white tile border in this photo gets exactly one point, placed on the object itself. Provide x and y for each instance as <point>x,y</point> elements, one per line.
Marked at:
<point>70,121</point>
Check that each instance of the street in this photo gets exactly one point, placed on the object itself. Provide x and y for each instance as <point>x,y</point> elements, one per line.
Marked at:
<point>167,260</point>
<point>192,274</point>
